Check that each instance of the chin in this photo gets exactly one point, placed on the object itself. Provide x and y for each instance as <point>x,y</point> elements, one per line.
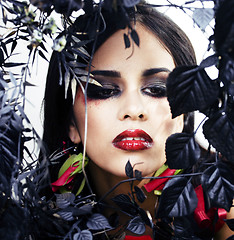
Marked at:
<point>140,166</point>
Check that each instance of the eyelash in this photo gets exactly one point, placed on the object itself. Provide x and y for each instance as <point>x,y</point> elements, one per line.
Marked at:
<point>155,90</point>
<point>96,92</point>
<point>105,92</point>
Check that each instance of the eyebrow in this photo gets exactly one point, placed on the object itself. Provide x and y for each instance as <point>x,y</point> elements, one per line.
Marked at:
<point>116,74</point>
<point>152,71</point>
<point>106,73</point>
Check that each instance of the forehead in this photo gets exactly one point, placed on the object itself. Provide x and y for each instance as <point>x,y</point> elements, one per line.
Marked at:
<point>150,53</point>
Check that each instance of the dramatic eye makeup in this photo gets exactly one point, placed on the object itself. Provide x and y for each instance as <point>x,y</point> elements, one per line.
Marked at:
<point>104,92</point>
<point>155,89</point>
<point>108,86</point>
<point>154,82</point>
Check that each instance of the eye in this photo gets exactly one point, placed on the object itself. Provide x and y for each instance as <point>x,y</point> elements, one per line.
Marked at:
<point>104,92</point>
<point>155,90</point>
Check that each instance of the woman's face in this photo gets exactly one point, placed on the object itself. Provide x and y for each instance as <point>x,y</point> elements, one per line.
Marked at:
<point>129,117</point>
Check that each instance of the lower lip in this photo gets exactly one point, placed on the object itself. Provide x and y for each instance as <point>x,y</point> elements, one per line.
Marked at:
<point>133,145</point>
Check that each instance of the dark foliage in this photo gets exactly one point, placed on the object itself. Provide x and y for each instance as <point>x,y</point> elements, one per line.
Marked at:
<point>226,73</point>
<point>139,194</point>
<point>25,213</point>
<point>219,187</point>
<point>184,228</point>
<point>136,226</point>
<point>98,222</point>
<point>187,89</point>
<point>230,223</point>
<point>129,170</point>
<point>224,28</point>
<point>178,198</point>
<point>126,204</point>
<point>182,151</point>
<point>163,230</point>
<point>219,130</point>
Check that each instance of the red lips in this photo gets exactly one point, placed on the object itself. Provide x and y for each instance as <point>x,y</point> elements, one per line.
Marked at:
<point>133,140</point>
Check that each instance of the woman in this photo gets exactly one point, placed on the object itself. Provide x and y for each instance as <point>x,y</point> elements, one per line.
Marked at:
<point>128,115</point>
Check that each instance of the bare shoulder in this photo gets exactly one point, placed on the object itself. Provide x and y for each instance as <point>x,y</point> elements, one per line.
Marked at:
<point>225,231</point>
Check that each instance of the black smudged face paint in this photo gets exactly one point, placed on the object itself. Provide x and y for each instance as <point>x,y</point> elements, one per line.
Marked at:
<point>106,91</point>
<point>156,90</point>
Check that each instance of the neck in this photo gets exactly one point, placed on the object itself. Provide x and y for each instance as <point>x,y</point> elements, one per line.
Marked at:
<point>103,182</point>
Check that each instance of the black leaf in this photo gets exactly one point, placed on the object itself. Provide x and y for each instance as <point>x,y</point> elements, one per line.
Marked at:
<point>86,235</point>
<point>224,32</point>
<point>219,131</point>
<point>13,46</point>
<point>218,183</point>
<point>226,73</point>
<point>64,200</point>
<point>139,194</point>
<point>3,45</point>
<point>178,198</point>
<point>78,51</point>
<point>209,61</point>
<point>88,6</point>
<point>9,35</point>
<point>83,235</point>
<point>11,64</point>
<point>129,169</point>
<point>43,46</point>
<point>4,16</point>
<point>114,220</point>
<point>1,57</point>
<point>126,41</point>
<point>145,217</point>
<point>66,215</point>
<point>230,223</point>
<point>136,226</point>
<point>98,222</point>
<point>181,151</point>
<point>135,37</point>
<point>125,203</point>
<point>42,55</point>
<point>189,88</point>
<point>138,175</point>
<point>83,210</point>
<point>77,43</point>
<point>163,230</point>
<point>183,228</point>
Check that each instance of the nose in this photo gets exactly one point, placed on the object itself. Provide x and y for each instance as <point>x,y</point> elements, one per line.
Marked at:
<point>132,107</point>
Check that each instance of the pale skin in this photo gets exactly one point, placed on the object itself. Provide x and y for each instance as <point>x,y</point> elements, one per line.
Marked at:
<point>134,100</point>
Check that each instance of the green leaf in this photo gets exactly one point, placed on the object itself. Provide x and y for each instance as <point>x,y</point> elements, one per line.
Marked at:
<point>73,160</point>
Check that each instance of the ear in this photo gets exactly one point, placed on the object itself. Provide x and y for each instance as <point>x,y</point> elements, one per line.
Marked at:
<point>74,134</point>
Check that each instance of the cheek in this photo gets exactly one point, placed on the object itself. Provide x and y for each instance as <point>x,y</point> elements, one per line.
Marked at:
<point>175,125</point>
<point>164,118</point>
<point>96,114</point>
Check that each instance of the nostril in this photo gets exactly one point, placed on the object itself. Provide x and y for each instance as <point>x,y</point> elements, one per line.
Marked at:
<point>126,116</point>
